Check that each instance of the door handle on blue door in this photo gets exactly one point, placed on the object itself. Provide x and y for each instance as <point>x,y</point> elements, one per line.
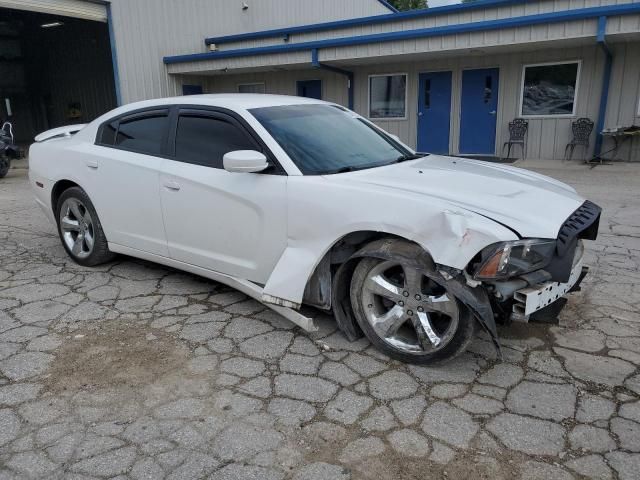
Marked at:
<point>493,112</point>
<point>171,185</point>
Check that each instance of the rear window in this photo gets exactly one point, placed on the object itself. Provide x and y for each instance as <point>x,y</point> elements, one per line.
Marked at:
<point>108,134</point>
<point>143,135</point>
<point>144,132</point>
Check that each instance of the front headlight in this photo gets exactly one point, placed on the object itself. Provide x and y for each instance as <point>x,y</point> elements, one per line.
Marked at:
<point>510,259</point>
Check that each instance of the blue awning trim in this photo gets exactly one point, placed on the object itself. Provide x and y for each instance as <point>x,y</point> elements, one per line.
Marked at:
<point>514,22</point>
<point>355,22</point>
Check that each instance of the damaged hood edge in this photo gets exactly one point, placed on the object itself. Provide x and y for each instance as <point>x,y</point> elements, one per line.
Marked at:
<point>525,202</point>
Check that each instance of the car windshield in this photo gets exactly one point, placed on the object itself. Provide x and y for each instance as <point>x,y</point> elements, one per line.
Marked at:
<point>325,139</point>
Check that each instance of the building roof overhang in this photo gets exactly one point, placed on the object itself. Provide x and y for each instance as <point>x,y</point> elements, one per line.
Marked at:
<point>291,53</point>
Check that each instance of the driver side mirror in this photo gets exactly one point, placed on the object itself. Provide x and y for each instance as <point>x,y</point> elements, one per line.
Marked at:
<point>247,161</point>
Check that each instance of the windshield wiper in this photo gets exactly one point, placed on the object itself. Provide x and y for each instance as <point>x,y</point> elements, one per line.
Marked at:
<point>350,168</point>
<point>405,158</point>
<point>354,168</point>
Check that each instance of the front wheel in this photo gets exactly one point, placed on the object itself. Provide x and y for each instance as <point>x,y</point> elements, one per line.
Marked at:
<point>80,229</point>
<point>407,315</point>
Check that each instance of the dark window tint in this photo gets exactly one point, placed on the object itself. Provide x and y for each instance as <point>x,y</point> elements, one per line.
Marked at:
<point>108,134</point>
<point>205,140</point>
<point>143,134</point>
<point>321,139</point>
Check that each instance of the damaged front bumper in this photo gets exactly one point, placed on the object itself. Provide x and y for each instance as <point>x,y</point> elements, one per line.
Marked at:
<point>520,298</point>
<point>531,299</point>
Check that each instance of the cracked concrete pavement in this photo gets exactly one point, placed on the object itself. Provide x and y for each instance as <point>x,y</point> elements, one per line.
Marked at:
<point>132,370</point>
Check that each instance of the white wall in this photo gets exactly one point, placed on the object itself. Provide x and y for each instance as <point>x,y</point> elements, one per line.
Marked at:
<point>547,136</point>
<point>147,30</point>
<point>624,96</point>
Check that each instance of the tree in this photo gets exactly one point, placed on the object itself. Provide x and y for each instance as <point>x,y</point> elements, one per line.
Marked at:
<point>408,4</point>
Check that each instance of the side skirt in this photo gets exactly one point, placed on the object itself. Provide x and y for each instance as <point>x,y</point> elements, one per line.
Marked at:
<point>248,288</point>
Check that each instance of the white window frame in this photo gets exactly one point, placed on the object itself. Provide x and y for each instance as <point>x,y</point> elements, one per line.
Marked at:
<point>575,96</point>
<point>251,84</point>
<point>406,97</point>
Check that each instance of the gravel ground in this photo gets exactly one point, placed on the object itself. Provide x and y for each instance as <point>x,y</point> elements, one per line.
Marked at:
<point>132,370</point>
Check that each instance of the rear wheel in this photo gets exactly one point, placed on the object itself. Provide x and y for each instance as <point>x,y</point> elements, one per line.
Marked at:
<point>407,315</point>
<point>80,229</point>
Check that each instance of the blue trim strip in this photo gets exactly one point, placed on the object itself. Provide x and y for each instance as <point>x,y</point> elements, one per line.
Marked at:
<point>602,29</point>
<point>389,6</point>
<point>316,63</point>
<point>354,22</point>
<point>606,81</point>
<point>114,55</point>
<point>544,18</point>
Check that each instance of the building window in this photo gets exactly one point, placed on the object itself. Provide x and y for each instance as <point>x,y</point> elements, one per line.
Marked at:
<point>251,88</point>
<point>388,96</point>
<point>549,89</point>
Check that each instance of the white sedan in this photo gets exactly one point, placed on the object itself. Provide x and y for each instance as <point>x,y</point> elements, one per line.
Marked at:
<point>296,201</point>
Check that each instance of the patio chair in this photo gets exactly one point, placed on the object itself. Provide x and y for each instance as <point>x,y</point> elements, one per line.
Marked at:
<point>517,136</point>
<point>581,129</point>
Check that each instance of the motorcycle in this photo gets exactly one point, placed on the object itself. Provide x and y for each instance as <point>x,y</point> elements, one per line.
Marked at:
<point>8,149</point>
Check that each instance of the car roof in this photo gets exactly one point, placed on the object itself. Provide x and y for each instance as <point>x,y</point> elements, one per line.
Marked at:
<point>234,101</point>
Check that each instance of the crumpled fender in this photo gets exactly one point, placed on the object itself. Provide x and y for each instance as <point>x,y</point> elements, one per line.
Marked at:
<point>476,299</point>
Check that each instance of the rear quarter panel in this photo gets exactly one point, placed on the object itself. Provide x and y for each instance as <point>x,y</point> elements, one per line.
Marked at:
<point>58,159</point>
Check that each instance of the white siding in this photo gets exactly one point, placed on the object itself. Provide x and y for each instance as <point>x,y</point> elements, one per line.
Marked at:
<point>624,96</point>
<point>334,86</point>
<point>541,33</point>
<point>147,30</point>
<point>547,136</point>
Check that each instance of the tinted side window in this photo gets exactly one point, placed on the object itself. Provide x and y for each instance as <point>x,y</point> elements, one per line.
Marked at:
<point>205,140</point>
<point>144,134</point>
<point>108,133</point>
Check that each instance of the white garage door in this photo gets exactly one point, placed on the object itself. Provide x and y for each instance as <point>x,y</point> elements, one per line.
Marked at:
<point>69,8</point>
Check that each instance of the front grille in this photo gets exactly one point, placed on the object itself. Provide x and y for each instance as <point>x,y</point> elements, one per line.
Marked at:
<point>583,223</point>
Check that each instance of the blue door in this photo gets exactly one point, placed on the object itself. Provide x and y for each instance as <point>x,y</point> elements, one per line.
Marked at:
<point>478,111</point>
<point>434,112</point>
<point>310,89</point>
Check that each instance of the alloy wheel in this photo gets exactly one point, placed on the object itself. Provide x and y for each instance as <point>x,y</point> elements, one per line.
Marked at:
<point>407,310</point>
<point>77,228</point>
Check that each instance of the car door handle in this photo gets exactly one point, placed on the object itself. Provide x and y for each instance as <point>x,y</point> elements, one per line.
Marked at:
<point>493,112</point>
<point>171,185</point>
<point>92,164</point>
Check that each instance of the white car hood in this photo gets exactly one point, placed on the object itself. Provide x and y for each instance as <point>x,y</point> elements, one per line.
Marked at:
<point>529,203</point>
